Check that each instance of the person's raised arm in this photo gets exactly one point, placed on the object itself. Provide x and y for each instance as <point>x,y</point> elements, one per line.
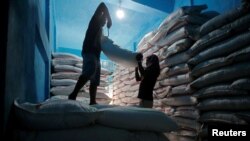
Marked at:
<point>141,69</point>
<point>102,10</point>
<point>137,76</point>
<point>139,58</point>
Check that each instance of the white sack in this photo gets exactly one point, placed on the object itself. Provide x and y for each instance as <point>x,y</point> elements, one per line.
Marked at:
<point>117,54</point>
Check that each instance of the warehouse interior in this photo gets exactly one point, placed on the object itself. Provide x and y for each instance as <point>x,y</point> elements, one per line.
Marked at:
<point>203,53</point>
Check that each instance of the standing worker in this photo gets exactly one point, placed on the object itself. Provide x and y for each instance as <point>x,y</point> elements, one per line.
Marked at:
<point>148,78</point>
<point>91,51</point>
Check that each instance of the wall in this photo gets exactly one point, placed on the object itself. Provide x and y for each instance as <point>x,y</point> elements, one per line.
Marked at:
<point>217,5</point>
<point>52,27</point>
<point>179,3</point>
<point>163,5</point>
<point>28,54</point>
<point>4,26</point>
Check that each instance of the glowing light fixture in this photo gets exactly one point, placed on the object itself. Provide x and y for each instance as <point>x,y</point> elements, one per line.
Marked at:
<point>120,13</point>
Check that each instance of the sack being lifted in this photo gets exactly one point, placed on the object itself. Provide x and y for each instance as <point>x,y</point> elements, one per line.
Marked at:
<point>117,54</point>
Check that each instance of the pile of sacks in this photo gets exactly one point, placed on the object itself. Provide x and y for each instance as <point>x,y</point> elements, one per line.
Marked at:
<point>179,32</point>
<point>125,87</point>
<point>172,94</point>
<point>220,67</point>
<point>66,69</point>
<point>67,120</point>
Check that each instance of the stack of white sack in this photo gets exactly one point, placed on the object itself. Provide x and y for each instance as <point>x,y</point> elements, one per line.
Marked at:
<point>220,67</point>
<point>172,94</point>
<point>68,120</point>
<point>66,70</point>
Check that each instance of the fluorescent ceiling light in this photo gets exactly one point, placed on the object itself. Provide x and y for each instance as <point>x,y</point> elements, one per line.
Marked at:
<point>120,13</point>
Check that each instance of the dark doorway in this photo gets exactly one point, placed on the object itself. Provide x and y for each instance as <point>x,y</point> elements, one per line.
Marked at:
<point>4,32</point>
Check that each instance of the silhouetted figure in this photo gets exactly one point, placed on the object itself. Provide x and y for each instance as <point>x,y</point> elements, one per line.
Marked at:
<point>245,4</point>
<point>148,77</point>
<point>91,51</point>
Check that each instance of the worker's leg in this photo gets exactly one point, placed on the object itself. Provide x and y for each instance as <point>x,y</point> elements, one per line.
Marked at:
<point>88,70</point>
<point>92,93</point>
<point>146,103</point>
<point>80,83</point>
<point>94,82</point>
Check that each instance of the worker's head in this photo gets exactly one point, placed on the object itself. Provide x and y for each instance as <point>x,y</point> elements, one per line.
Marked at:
<point>139,56</point>
<point>103,20</point>
<point>152,63</point>
<point>152,60</point>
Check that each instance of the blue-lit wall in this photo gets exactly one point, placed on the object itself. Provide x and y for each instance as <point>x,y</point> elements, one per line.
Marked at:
<point>40,75</point>
<point>28,53</point>
<point>69,50</point>
<point>162,5</point>
<point>52,26</point>
<point>220,6</point>
<point>71,23</point>
<point>76,52</point>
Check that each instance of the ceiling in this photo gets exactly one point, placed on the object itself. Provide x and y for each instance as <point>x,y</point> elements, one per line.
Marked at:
<point>141,16</point>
